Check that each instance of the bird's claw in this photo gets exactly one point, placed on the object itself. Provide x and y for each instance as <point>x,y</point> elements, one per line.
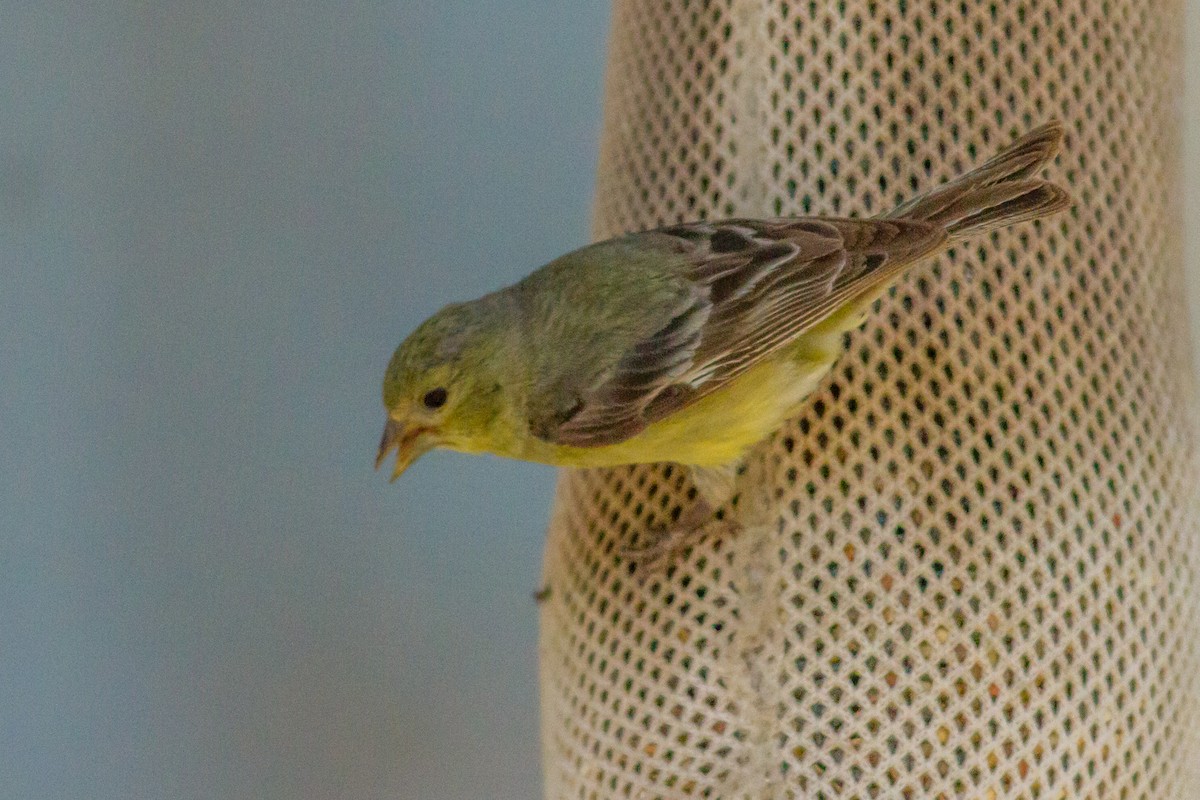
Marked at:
<point>666,545</point>
<point>651,557</point>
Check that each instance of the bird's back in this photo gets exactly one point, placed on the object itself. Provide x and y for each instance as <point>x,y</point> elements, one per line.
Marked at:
<point>634,330</point>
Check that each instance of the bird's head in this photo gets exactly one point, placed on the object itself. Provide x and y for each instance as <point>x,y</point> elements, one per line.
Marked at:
<point>443,386</point>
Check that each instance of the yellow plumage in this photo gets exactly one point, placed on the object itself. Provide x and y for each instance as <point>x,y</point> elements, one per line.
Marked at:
<point>717,429</point>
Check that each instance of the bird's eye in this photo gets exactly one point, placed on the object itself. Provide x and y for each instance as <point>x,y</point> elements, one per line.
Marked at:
<point>434,398</point>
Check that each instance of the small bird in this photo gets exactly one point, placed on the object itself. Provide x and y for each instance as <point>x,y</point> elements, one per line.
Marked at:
<point>689,343</point>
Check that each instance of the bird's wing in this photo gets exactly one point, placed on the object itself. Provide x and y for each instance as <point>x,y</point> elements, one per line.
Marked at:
<point>755,286</point>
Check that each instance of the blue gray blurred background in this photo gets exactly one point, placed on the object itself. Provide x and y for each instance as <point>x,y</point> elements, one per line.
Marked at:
<point>216,221</point>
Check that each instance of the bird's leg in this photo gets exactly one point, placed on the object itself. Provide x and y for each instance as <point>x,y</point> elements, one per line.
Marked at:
<point>715,487</point>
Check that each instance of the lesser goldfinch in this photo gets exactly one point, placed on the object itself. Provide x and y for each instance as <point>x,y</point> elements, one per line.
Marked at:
<point>689,343</point>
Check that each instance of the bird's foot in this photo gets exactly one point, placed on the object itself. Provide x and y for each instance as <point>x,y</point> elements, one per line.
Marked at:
<point>665,545</point>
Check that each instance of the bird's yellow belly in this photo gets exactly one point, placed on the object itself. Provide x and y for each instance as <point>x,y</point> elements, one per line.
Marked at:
<point>720,427</point>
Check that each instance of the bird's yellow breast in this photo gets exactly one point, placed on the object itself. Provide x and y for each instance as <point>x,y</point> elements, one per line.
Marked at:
<point>720,427</point>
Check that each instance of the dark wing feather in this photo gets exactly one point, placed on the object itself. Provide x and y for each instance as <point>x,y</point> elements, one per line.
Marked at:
<point>756,286</point>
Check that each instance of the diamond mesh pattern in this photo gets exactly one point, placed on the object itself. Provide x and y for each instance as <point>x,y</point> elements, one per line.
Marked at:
<point>978,575</point>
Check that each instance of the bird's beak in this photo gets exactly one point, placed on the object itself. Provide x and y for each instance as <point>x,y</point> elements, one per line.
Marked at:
<point>410,443</point>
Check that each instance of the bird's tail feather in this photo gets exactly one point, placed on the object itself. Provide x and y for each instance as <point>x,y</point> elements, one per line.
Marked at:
<point>999,193</point>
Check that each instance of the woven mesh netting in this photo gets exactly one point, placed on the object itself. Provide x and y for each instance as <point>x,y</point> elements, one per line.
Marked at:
<point>976,576</point>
